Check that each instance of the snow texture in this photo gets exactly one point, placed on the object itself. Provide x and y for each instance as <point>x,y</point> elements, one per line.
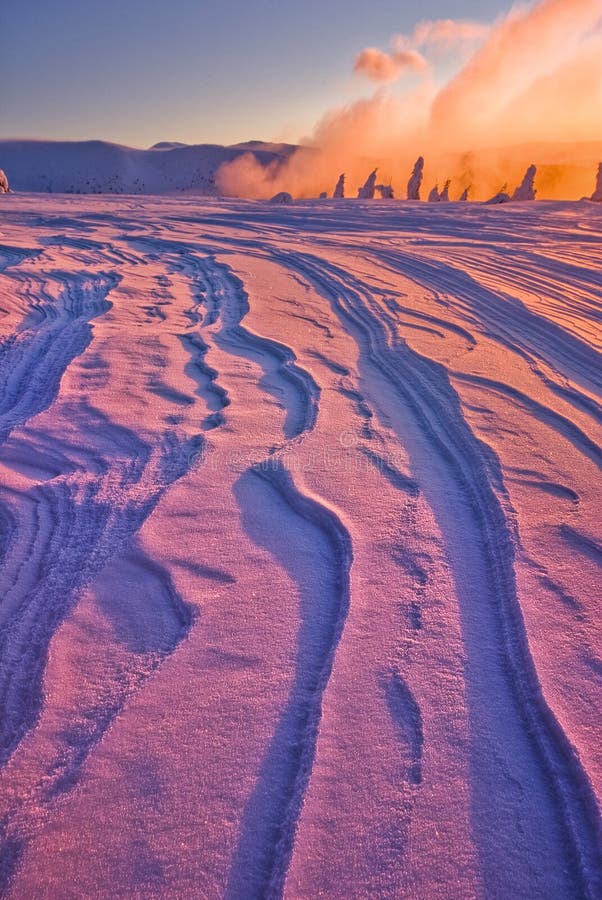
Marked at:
<point>299,538</point>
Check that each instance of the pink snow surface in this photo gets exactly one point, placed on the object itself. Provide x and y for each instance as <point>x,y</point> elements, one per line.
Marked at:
<point>300,545</point>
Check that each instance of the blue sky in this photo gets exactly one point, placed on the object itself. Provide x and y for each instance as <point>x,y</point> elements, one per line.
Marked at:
<point>139,71</point>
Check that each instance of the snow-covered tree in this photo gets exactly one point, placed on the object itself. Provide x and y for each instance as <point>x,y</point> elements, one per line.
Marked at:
<point>416,179</point>
<point>501,197</point>
<point>385,191</point>
<point>282,197</point>
<point>367,191</point>
<point>434,196</point>
<point>4,188</point>
<point>444,195</point>
<point>339,191</point>
<point>464,195</point>
<point>525,190</point>
<point>597,195</point>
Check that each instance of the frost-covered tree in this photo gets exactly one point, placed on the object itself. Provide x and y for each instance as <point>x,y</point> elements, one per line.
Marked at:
<point>323,196</point>
<point>444,195</point>
<point>525,190</point>
<point>385,191</point>
<point>339,191</point>
<point>464,195</point>
<point>282,197</point>
<point>501,197</point>
<point>434,196</point>
<point>416,179</point>
<point>367,191</point>
<point>4,188</point>
<point>597,195</point>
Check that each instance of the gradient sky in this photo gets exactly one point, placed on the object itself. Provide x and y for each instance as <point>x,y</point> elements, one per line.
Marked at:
<point>140,71</point>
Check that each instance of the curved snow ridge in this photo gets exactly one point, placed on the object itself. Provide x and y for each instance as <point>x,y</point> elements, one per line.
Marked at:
<point>300,379</point>
<point>330,523</point>
<point>567,292</point>
<point>88,725</point>
<point>425,386</point>
<point>175,618</point>
<point>216,396</point>
<point>563,426</point>
<point>393,304</point>
<point>70,527</point>
<point>11,257</point>
<point>513,337</point>
<point>508,315</point>
<point>232,302</point>
<point>393,475</point>
<point>34,360</point>
<point>407,718</point>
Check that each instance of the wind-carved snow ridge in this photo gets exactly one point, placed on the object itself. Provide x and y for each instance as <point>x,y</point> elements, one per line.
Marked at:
<point>408,719</point>
<point>523,329</point>
<point>95,492</point>
<point>74,525</point>
<point>299,522</point>
<point>424,386</point>
<point>300,721</point>
<point>217,396</point>
<point>32,362</point>
<point>223,293</point>
<point>226,294</point>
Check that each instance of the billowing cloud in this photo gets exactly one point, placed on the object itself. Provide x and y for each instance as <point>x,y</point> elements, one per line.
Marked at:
<point>386,66</point>
<point>532,78</point>
<point>447,33</point>
<point>527,46</point>
<point>378,65</point>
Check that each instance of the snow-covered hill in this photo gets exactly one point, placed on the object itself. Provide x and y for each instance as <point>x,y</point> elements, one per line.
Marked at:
<point>90,167</point>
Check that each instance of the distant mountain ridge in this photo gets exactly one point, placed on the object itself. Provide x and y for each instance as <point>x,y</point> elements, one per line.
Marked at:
<point>100,167</point>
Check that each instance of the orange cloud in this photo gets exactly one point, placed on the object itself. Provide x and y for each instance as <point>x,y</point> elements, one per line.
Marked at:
<point>386,66</point>
<point>528,45</point>
<point>378,65</point>
<point>534,79</point>
<point>448,32</point>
